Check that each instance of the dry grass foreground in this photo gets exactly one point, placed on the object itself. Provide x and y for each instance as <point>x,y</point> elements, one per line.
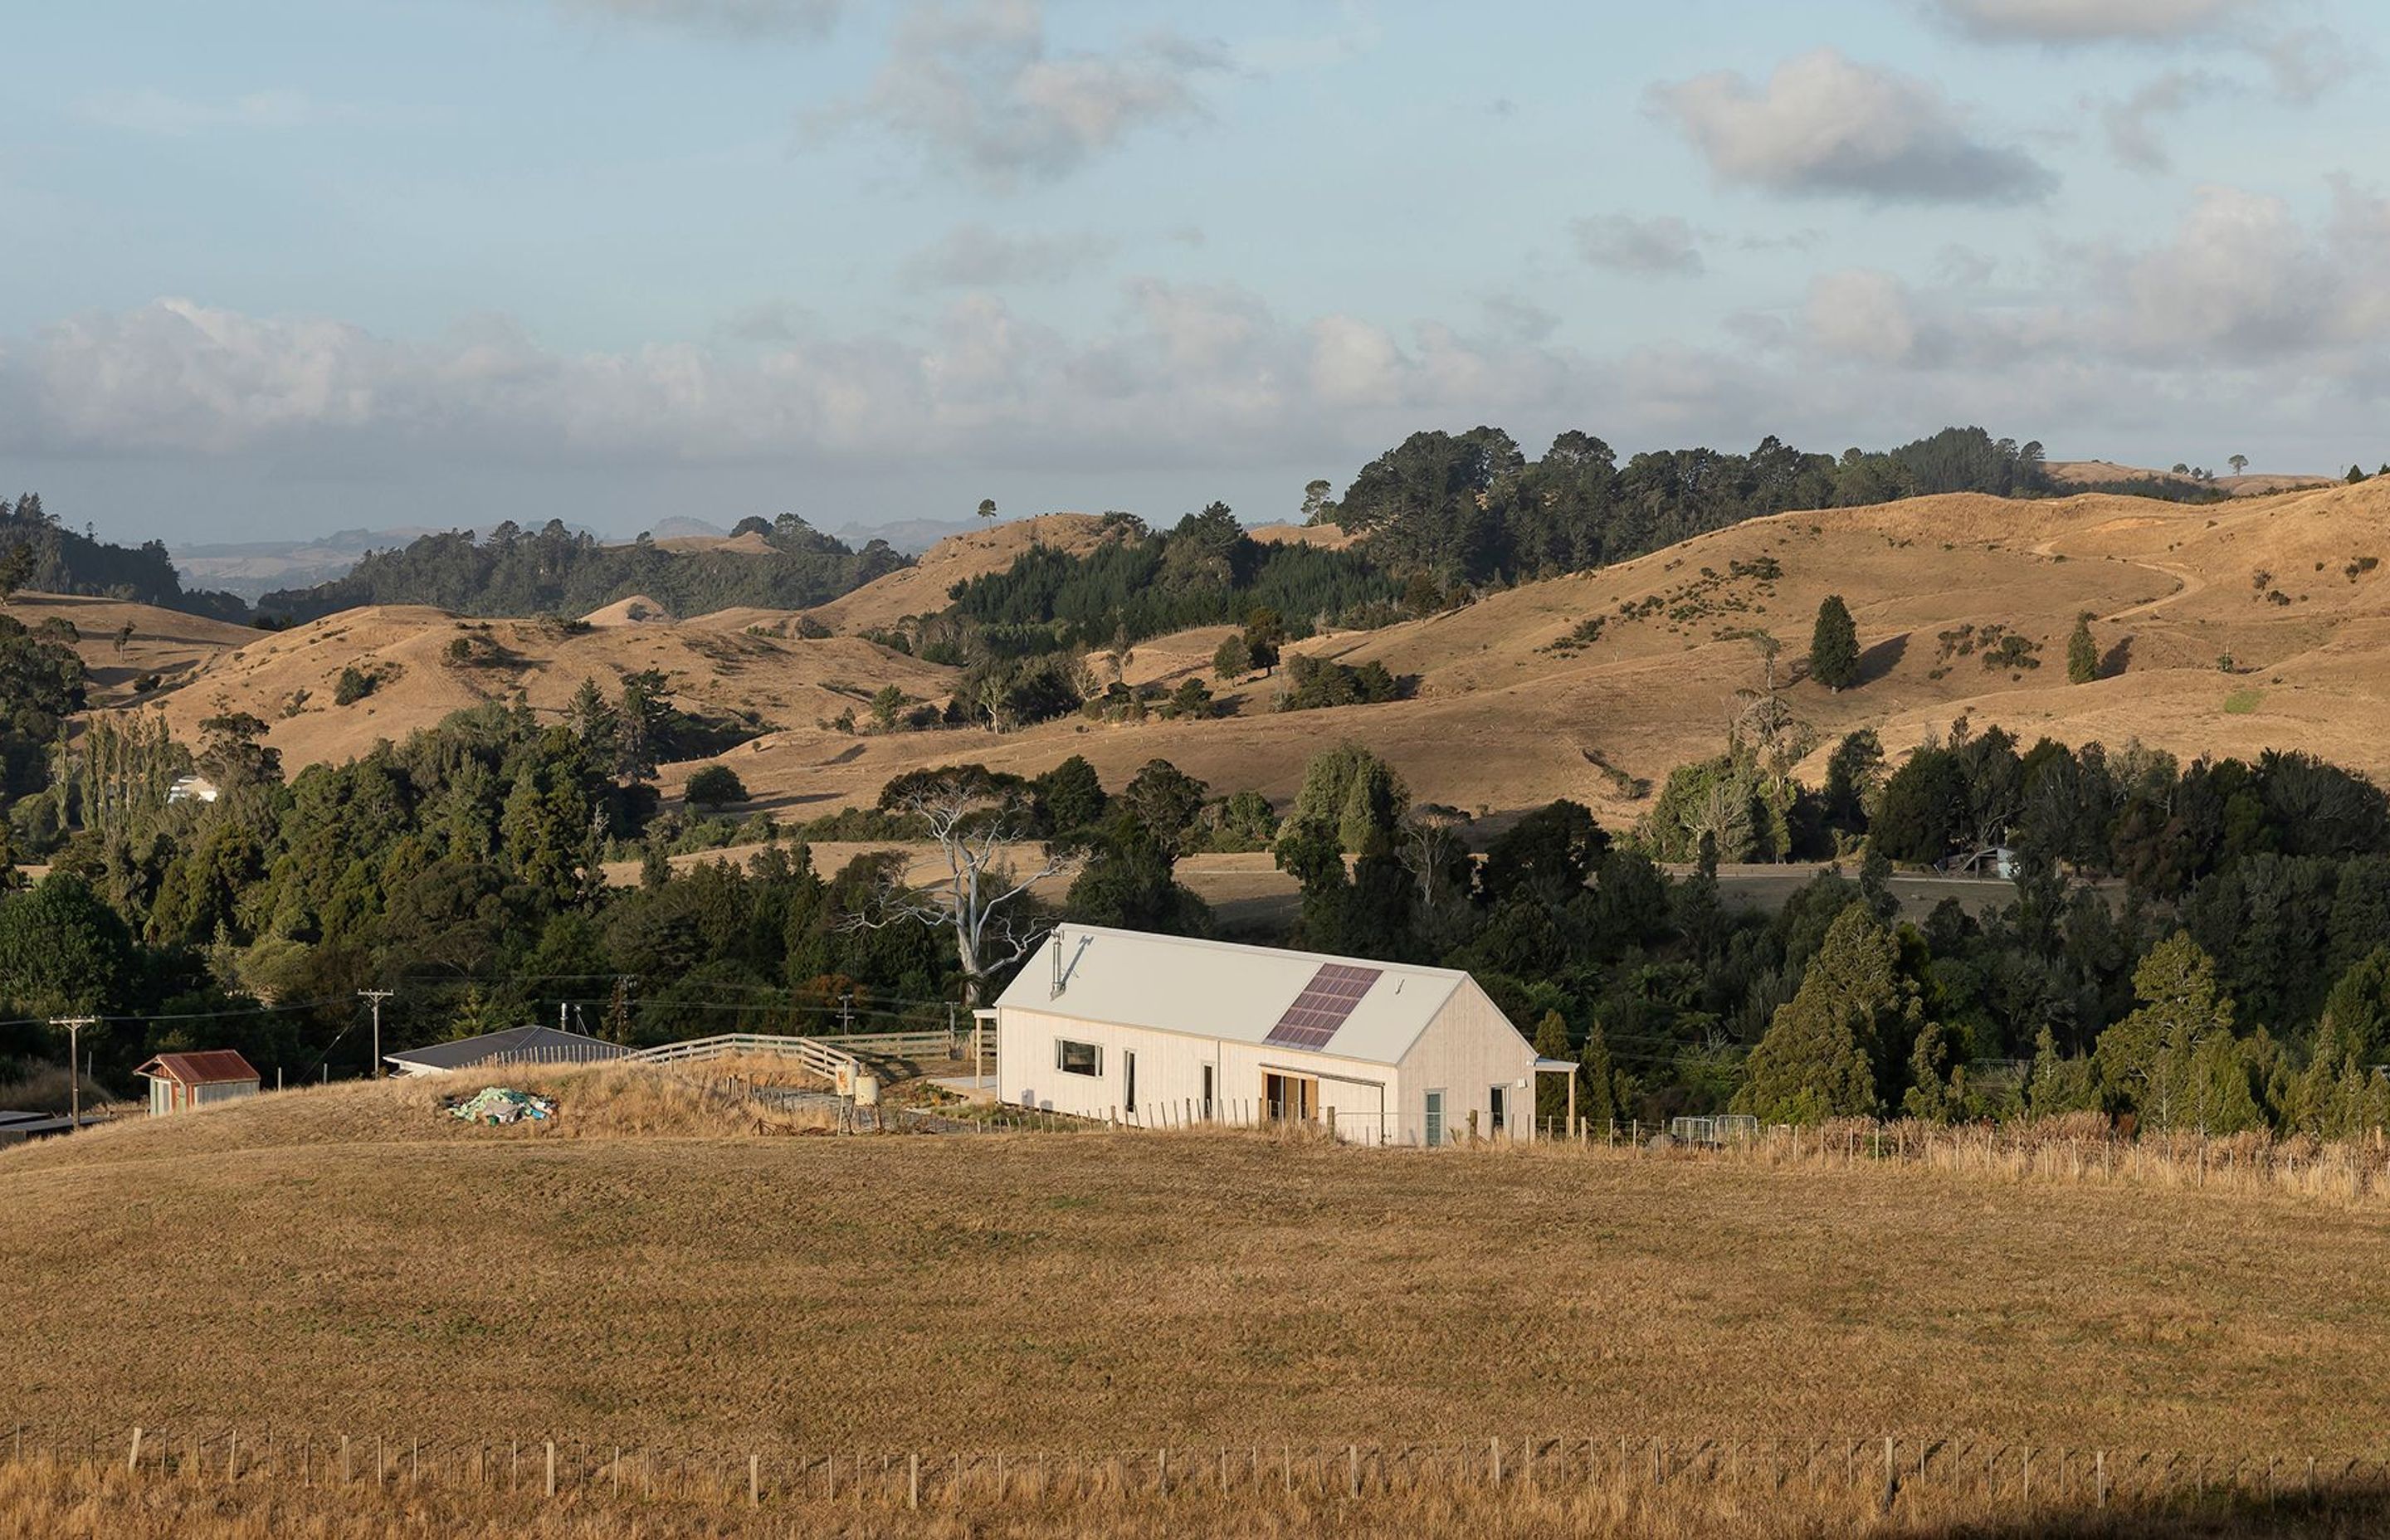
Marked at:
<point>43,1496</point>
<point>344,1260</point>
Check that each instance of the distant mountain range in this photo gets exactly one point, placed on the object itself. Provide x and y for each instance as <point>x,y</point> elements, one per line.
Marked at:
<point>255,568</point>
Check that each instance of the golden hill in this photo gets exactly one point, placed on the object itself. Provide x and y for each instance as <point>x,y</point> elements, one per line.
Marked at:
<point>921,588</point>
<point>165,642</point>
<point>428,663</point>
<point>1507,715</point>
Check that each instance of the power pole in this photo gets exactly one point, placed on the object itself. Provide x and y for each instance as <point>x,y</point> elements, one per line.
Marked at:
<point>75,1025</point>
<point>375,997</point>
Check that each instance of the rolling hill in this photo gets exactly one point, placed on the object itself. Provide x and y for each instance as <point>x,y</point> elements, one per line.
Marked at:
<point>1508,711</point>
<point>1507,715</point>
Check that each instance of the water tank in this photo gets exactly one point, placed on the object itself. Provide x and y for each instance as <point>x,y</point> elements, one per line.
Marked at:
<point>867,1090</point>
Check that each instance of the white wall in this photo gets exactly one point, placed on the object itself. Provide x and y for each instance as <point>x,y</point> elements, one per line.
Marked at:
<point>1466,1050</point>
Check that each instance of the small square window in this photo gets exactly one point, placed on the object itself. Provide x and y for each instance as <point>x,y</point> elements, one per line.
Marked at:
<point>1078,1059</point>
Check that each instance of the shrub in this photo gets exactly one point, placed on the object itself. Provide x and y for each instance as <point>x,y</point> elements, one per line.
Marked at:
<point>1321,682</point>
<point>354,685</point>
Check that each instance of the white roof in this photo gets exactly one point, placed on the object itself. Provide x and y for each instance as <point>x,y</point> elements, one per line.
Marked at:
<point>1221,989</point>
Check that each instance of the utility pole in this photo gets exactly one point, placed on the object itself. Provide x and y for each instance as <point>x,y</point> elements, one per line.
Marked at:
<point>846,1015</point>
<point>375,997</point>
<point>75,1025</point>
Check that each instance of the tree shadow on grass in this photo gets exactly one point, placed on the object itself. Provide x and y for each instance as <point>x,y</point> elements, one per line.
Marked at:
<point>2117,659</point>
<point>1882,658</point>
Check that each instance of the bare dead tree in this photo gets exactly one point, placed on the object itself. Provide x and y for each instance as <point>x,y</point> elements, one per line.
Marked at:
<point>980,901</point>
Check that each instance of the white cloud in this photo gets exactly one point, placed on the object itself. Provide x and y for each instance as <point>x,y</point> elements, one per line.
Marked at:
<point>2132,131</point>
<point>2066,22</point>
<point>976,88</point>
<point>2250,320</point>
<point>149,111</point>
<point>1862,314</point>
<point>2241,281</point>
<point>972,256</point>
<point>1660,246</point>
<point>1825,124</point>
<point>736,17</point>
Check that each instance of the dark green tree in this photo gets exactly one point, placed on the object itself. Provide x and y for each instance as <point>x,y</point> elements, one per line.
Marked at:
<point>713,788</point>
<point>1835,646</point>
<point>1854,1016</point>
<point>2082,652</point>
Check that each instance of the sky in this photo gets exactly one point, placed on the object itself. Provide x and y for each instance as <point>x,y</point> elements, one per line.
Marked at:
<point>274,269</point>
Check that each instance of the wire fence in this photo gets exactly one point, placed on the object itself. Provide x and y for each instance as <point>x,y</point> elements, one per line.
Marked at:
<point>1998,1473</point>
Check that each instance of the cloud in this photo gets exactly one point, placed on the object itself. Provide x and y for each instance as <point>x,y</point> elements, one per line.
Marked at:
<point>2249,320</point>
<point>2133,135</point>
<point>2241,282</point>
<point>734,18</point>
<point>147,111</point>
<point>2071,21</point>
<point>972,256</point>
<point>976,88</point>
<point>1522,319</point>
<point>1824,124</point>
<point>1623,243</point>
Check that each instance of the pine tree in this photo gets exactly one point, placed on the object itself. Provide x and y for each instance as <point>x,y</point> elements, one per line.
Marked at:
<point>1600,1100</point>
<point>1824,1050</point>
<point>1552,1098</point>
<point>2082,652</point>
<point>1936,1091</point>
<point>1835,646</point>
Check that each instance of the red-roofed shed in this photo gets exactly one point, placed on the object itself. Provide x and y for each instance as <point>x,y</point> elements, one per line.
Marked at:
<point>179,1081</point>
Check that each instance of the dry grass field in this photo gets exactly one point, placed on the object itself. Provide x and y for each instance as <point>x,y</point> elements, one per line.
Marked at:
<point>660,1270</point>
<point>344,1259</point>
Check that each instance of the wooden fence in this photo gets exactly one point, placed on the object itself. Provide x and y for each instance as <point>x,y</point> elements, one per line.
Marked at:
<point>1886,1468</point>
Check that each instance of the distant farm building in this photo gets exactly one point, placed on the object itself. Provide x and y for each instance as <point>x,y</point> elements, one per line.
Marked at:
<point>1147,1029</point>
<point>180,1082</point>
<point>514,1045</point>
<point>191,789</point>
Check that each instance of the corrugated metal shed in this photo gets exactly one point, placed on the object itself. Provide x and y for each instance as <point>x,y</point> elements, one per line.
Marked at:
<point>209,1067</point>
<point>1224,990</point>
<point>513,1046</point>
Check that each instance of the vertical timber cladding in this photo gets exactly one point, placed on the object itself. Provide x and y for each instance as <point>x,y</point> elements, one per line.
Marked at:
<point>1251,1026</point>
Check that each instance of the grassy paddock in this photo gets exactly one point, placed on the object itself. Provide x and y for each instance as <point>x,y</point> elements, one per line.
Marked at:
<point>655,1270</point>
<point>1121,1496</point>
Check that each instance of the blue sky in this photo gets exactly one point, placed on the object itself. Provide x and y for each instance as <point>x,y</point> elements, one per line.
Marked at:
<point>280,268</point>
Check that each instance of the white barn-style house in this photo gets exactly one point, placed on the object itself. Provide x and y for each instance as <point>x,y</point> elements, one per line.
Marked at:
<point>1152,1030</point>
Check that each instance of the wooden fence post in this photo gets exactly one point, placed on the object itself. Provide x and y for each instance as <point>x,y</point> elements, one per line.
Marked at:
<point>344,1460</point>
<point>232,1455</point>
<point>132,1461</point>
<point>551,1468</point>
<point>1496,1444</point>
<point>754,1482</point>
<point>1352,1470</point>
<point>1891,1475</point>
<point>2099,1478</point>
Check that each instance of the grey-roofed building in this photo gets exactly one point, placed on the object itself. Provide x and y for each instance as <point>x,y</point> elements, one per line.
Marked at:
<point>1147,1029</point>
<point>532,1045</point>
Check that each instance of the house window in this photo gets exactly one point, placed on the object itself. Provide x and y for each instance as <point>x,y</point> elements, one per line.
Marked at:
<point>1078,1059</point>
<point>1501,1109</point>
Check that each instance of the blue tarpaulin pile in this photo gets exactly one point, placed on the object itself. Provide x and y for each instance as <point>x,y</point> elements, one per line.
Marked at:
<point>499,1104</point>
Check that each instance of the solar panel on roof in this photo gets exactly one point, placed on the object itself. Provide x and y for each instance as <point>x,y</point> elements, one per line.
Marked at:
<point>1323,1005</point>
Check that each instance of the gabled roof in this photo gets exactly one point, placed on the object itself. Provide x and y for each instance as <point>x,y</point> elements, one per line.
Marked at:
<point>211,1067</point>
<point>1240,994</point>
<point>514,1045</point>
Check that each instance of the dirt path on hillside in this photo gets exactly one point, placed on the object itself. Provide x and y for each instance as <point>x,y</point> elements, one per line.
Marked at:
<point>2191,583</point>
